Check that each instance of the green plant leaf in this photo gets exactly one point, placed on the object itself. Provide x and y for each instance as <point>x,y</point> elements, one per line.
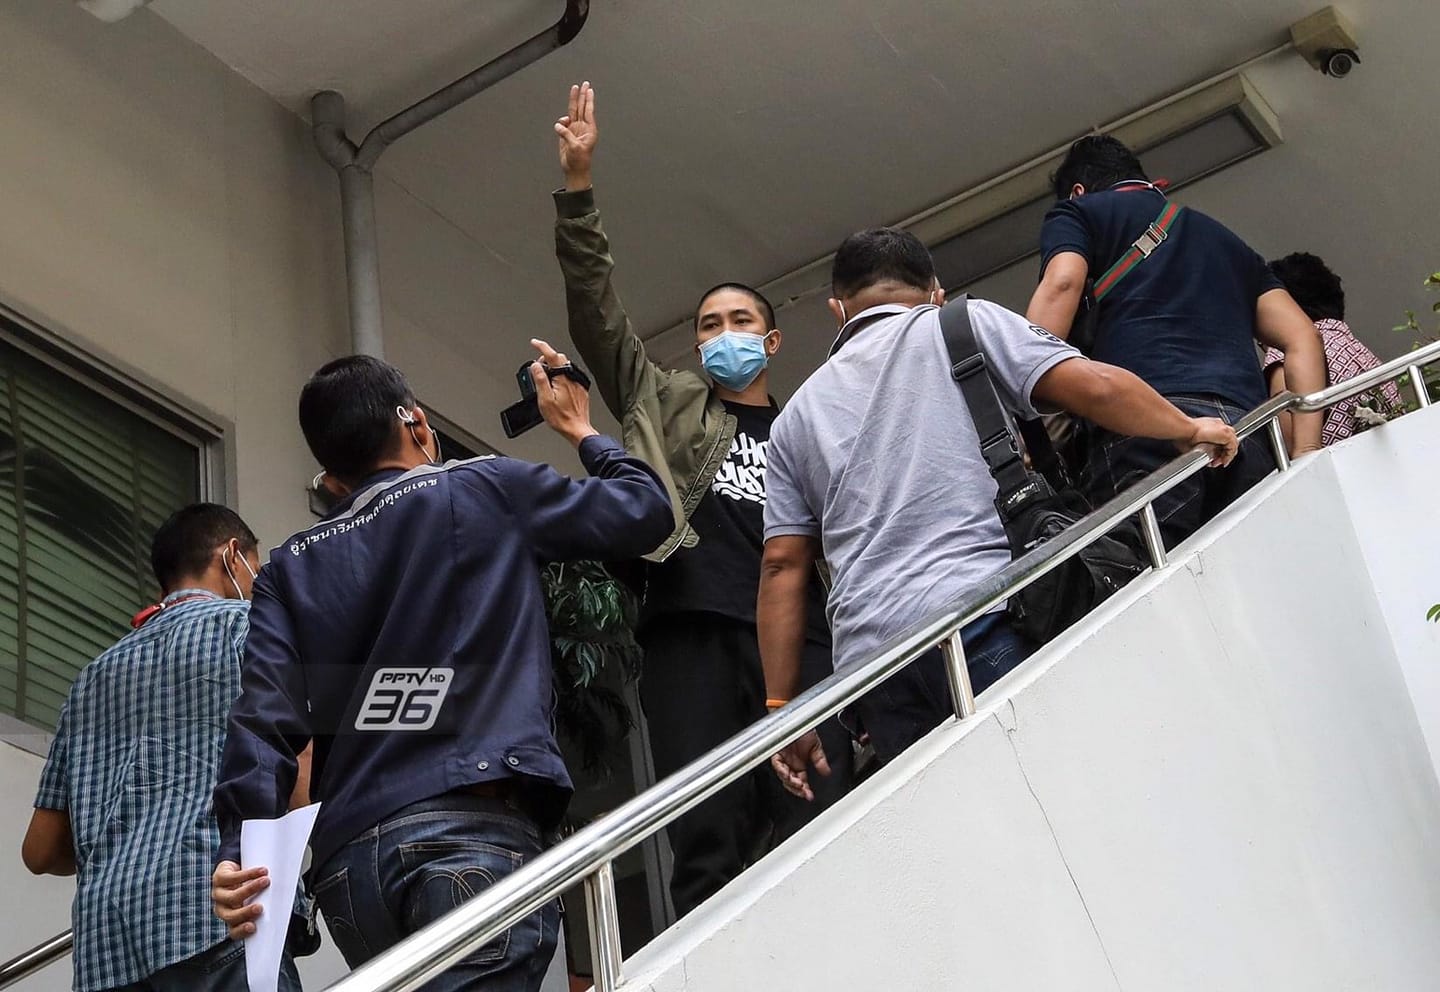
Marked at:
<point>1434,614</point>
<point>592,619</point>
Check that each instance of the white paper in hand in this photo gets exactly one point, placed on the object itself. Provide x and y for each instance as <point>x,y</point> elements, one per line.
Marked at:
<point>278,845</point>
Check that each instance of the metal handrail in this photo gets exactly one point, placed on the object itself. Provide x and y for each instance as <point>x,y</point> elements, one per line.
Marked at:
<point>37,957</point>
<point>588,854</point>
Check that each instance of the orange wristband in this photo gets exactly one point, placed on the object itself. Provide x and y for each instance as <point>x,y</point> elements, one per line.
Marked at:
<point>775,704</point>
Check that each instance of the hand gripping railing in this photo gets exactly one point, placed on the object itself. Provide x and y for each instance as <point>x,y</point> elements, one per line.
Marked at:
<point>34,959</point>
<point>589,853</point>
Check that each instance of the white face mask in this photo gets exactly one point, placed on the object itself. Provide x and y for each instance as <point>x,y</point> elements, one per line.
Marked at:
<point>225,563</point>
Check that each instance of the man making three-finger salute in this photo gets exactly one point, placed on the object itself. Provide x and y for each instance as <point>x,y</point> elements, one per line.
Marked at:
<point>707,437</point>
<point>405,635</point>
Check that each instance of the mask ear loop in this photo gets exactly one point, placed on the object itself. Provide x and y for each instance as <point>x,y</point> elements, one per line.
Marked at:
<point>225,564</point>
<point>408,419</point>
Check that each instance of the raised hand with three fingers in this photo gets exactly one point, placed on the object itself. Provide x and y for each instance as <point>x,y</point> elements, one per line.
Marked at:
<point>578,134</point>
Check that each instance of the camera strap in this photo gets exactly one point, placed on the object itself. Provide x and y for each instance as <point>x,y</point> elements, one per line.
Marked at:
<point>992,424</point>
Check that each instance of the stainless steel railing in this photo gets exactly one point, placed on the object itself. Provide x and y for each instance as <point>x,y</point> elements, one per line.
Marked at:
<point>34,959</point>
<point>589,853</point>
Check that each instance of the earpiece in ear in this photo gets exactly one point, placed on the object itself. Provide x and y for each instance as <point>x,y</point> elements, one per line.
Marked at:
<point>406,417</point>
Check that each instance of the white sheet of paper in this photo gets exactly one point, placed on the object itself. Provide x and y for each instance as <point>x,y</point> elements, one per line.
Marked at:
<point>278,845</point>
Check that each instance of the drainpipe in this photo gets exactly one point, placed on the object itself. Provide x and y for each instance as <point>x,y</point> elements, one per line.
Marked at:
<point>355,164</point>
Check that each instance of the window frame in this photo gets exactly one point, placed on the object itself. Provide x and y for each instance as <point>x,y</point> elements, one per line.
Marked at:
<point>127,387</point>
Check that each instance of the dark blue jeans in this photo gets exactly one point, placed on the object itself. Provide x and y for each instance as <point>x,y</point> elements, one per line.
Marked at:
<point>219,969</point>
<point>915,700</point>
<point>422,862</point>
<point>1117,462</point>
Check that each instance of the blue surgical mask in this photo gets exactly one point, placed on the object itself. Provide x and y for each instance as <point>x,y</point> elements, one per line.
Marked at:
<point>734,358</point>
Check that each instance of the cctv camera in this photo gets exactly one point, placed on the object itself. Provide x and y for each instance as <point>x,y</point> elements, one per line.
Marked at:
<point>1338,62</point>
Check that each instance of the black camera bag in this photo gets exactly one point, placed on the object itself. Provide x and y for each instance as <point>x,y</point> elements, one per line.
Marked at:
<point>1031,509</point>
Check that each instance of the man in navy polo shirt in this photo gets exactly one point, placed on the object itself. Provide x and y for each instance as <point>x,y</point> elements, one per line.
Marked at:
<point>405,635</point>
<point>1181,307</point>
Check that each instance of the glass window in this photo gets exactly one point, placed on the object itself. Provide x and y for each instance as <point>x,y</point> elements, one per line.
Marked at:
<point>84,483</point>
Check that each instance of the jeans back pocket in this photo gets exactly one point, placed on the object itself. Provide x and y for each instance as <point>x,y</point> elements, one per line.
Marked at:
<point>333,896</point>
<point>441,875</point>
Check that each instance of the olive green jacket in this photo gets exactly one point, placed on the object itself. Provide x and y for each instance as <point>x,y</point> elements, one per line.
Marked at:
<point>670,418</point>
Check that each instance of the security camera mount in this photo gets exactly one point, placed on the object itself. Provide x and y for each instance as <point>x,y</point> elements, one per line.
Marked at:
<point>1327,41</point>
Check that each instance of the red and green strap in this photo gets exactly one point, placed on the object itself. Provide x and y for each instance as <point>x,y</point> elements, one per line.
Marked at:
<point>1157,233</point>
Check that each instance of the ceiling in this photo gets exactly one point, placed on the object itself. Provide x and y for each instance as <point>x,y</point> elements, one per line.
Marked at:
<point>743,139</point>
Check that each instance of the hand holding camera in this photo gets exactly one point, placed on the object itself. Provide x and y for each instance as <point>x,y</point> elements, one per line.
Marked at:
<point>552,390</point>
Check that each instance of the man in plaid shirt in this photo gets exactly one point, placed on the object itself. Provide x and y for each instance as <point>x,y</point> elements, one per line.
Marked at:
<point>125,797</point>
<point>1320,295</point>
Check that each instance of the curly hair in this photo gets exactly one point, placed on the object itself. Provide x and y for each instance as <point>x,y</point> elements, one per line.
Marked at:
<point>1313,285</point>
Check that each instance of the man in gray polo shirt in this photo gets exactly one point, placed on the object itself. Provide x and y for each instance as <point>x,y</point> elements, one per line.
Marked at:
<point>876,462</point>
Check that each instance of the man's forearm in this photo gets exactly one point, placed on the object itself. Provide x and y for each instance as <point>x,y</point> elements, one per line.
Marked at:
<point>1138,410</point>
<point>1113,398</point>
<point>1280,323</point>
<point>49,845</point>
<point>1305,373</point>
<point>1053,307</point>
<point>598,323</point>
<point>577,180</point>
<point>780,617</point>
<point>1056,300</point>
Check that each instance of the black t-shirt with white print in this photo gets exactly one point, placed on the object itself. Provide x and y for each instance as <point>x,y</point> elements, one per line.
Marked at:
<point>722,573</point>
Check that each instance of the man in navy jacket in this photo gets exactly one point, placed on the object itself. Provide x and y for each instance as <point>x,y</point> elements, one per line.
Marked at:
<point>405,635</point>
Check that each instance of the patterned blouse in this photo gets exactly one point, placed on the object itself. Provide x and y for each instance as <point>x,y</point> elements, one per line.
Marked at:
<point>1345,358</point>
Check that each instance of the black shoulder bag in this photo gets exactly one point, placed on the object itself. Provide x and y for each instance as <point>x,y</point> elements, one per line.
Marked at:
<point>1031,510</point>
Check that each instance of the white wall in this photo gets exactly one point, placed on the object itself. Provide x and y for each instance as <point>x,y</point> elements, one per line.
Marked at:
<point>1391,481</point>
<point>1217,782</point>
<point>33,909</point>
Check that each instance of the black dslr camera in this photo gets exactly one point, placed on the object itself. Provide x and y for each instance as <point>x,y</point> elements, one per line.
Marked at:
<point>517,418</point>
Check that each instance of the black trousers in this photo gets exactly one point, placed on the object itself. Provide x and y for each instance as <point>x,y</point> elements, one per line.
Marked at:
<point>702,684</point>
